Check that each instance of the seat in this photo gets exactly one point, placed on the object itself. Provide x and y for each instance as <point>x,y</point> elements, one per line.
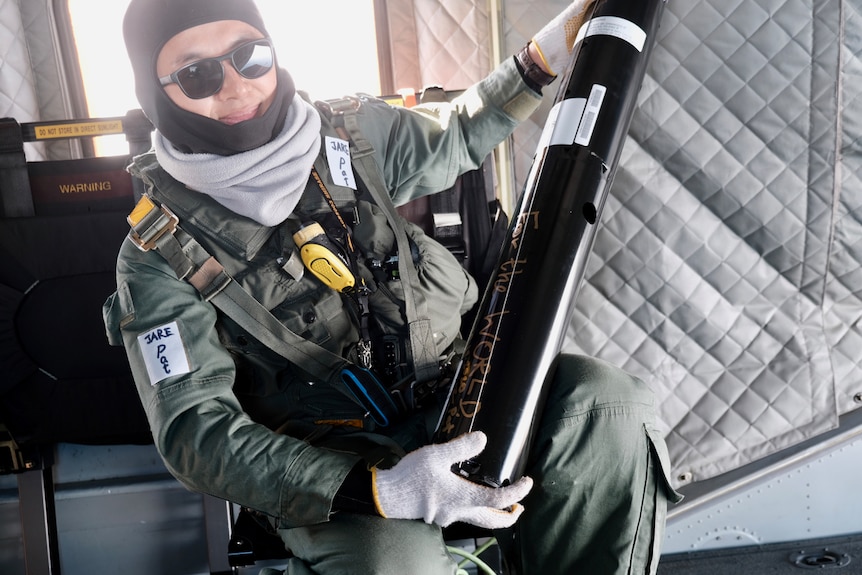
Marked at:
<point>61,224</point>
<point>467,219</point>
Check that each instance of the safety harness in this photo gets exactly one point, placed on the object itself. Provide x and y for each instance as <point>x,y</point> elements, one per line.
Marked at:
<point>156,227</point>
<point>342,114</point>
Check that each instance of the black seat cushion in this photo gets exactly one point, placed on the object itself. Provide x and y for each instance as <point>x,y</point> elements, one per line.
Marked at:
<point>61,379</point>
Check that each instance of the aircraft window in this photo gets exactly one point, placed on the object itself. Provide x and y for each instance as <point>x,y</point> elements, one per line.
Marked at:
<point>329,47</point>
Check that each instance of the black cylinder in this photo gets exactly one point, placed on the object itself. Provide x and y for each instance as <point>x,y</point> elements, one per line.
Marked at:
<point>500,384</point>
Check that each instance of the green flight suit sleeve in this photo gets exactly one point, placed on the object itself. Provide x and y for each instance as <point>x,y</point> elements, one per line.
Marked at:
<point>185,378</point>
<point>422,150</point>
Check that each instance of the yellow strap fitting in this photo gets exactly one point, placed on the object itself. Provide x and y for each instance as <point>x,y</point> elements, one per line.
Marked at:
<point>150,222</point>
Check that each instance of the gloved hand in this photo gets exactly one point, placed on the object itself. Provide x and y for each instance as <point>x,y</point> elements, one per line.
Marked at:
<point>423,486</point>
<point>556,40</point>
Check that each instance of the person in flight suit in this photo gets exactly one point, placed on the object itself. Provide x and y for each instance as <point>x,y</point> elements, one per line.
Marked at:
<point>243,162</point>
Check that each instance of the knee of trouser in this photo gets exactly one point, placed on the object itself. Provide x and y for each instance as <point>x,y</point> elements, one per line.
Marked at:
<point>588,382</point>
<point>357,543</point>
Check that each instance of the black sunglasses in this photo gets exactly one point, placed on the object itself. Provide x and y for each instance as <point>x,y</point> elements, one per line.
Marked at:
<point>205,77</point>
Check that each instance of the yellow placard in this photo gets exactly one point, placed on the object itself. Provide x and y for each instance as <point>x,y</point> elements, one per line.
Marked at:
<point>102,128</point>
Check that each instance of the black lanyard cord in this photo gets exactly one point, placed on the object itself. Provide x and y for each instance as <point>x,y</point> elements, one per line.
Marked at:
<point>331,202</point>
<point>360,293</point>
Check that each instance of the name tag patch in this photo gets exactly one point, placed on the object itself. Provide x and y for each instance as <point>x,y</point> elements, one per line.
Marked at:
<point>338,157</point>
<point>164,352</point>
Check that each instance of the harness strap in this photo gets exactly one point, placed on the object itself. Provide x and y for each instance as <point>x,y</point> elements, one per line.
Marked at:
<point>424,352</point>
<point>191,262</point>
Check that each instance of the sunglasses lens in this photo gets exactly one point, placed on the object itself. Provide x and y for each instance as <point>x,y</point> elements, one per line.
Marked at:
<point>201,79</point>
<point>204,78</point>
<point>253,60</point>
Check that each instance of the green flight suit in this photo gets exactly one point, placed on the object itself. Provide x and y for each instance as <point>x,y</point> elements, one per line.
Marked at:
<point>233,419</point>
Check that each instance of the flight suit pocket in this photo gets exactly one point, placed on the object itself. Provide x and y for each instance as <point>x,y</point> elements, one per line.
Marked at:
<point>664,491</point>
<point>662,460</point>
<point>117,311</point>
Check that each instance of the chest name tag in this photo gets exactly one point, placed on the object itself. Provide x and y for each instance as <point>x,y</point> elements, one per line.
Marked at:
<point>338,156</point>
<point>164,352</point>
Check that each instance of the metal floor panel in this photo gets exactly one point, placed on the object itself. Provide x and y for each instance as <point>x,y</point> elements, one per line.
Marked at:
<point>810,495</point>
<point>117,511</point>
<point>839,555</point>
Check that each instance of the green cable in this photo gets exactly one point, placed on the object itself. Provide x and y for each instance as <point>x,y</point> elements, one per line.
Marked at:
<point>473,557</point>
<point>481,549</point>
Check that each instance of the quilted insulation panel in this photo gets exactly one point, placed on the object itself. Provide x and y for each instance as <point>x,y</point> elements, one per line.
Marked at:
<point>17,84</point>
<point>31,88</point>
<point>726,269</point>
<point>438,43</point>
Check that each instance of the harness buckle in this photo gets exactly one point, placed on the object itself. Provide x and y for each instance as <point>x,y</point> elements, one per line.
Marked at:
<point>149,222</point>
<point>339,106</point>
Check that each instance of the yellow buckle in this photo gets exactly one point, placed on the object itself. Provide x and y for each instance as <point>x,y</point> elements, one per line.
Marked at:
<point>150,222</point>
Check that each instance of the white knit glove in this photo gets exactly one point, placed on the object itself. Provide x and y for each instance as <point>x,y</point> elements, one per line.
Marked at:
<point>423,486</point>
<point>556,40</point>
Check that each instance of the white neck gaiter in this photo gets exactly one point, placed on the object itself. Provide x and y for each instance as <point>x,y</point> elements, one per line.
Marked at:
<point>264,184</point>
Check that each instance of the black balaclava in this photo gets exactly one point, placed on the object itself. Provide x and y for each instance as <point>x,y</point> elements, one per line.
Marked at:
<point>147,27</point>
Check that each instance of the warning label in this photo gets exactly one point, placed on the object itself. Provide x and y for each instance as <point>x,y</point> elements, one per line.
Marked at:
<point>104,128</point>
